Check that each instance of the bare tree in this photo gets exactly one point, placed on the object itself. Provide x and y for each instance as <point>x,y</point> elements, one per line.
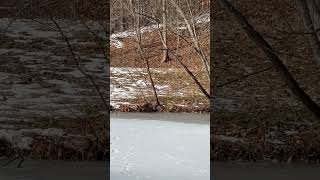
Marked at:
<point>165,56</point>
<point>139,40</point>
<point>314,8</point>
<point>311,24</point>
<point>122,16</point>
<point>187,70</point>
<point>194,37</point>
<point>270,53</point>
<point>163,13</point>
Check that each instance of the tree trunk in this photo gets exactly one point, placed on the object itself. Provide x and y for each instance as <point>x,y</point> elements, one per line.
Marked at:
<point>314,8</point>
<point>165,56</point>
<point>310,18</point>
<point>122,17</point>
<point>140,49</point>
<point>193,37</point>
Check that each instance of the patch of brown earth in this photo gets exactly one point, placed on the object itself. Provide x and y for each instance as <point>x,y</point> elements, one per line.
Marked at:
<point>129,56</point>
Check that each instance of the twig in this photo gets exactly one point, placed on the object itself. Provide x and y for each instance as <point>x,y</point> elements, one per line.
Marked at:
<point>78,64</point>
<point>15,18</point>
<point>269,52</point>
<point>191,75</point>
<point>244,77</point>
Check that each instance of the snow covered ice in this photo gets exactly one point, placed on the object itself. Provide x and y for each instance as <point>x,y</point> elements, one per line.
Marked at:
<point>160,146</point>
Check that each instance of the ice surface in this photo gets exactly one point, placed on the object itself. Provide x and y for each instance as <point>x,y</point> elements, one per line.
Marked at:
<point>160,147</point>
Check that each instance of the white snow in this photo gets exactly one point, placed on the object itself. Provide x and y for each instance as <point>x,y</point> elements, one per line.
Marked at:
<point>130,83</point>
<point>116,43</point>
<point>42,28</point>
<point>291,132</point>
<point>229,139</point>
<point>22,138</point>
<point>159,148</point>
<point>25,100</point>
<point>203,18</point>
<point>115,38</point>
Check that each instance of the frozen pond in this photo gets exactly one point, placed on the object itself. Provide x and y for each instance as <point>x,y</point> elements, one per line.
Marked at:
<point>160,146</point>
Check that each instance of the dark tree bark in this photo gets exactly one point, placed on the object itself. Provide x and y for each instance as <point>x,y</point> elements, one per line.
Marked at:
<point>310,16</point>
<point>269,52</point>
<point>314,8</point>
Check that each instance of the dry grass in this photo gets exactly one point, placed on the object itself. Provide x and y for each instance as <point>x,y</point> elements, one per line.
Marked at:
<point>129,57</point>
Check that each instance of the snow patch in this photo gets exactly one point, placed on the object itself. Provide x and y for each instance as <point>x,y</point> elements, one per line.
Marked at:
<point>22,138</point>
<point>230,139</point>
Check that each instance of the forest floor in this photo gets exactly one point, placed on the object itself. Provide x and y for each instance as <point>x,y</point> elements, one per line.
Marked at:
<point>266,121</point>
<point>131,88</point>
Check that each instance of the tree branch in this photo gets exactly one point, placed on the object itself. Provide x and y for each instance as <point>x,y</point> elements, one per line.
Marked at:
<point>269,52</point>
